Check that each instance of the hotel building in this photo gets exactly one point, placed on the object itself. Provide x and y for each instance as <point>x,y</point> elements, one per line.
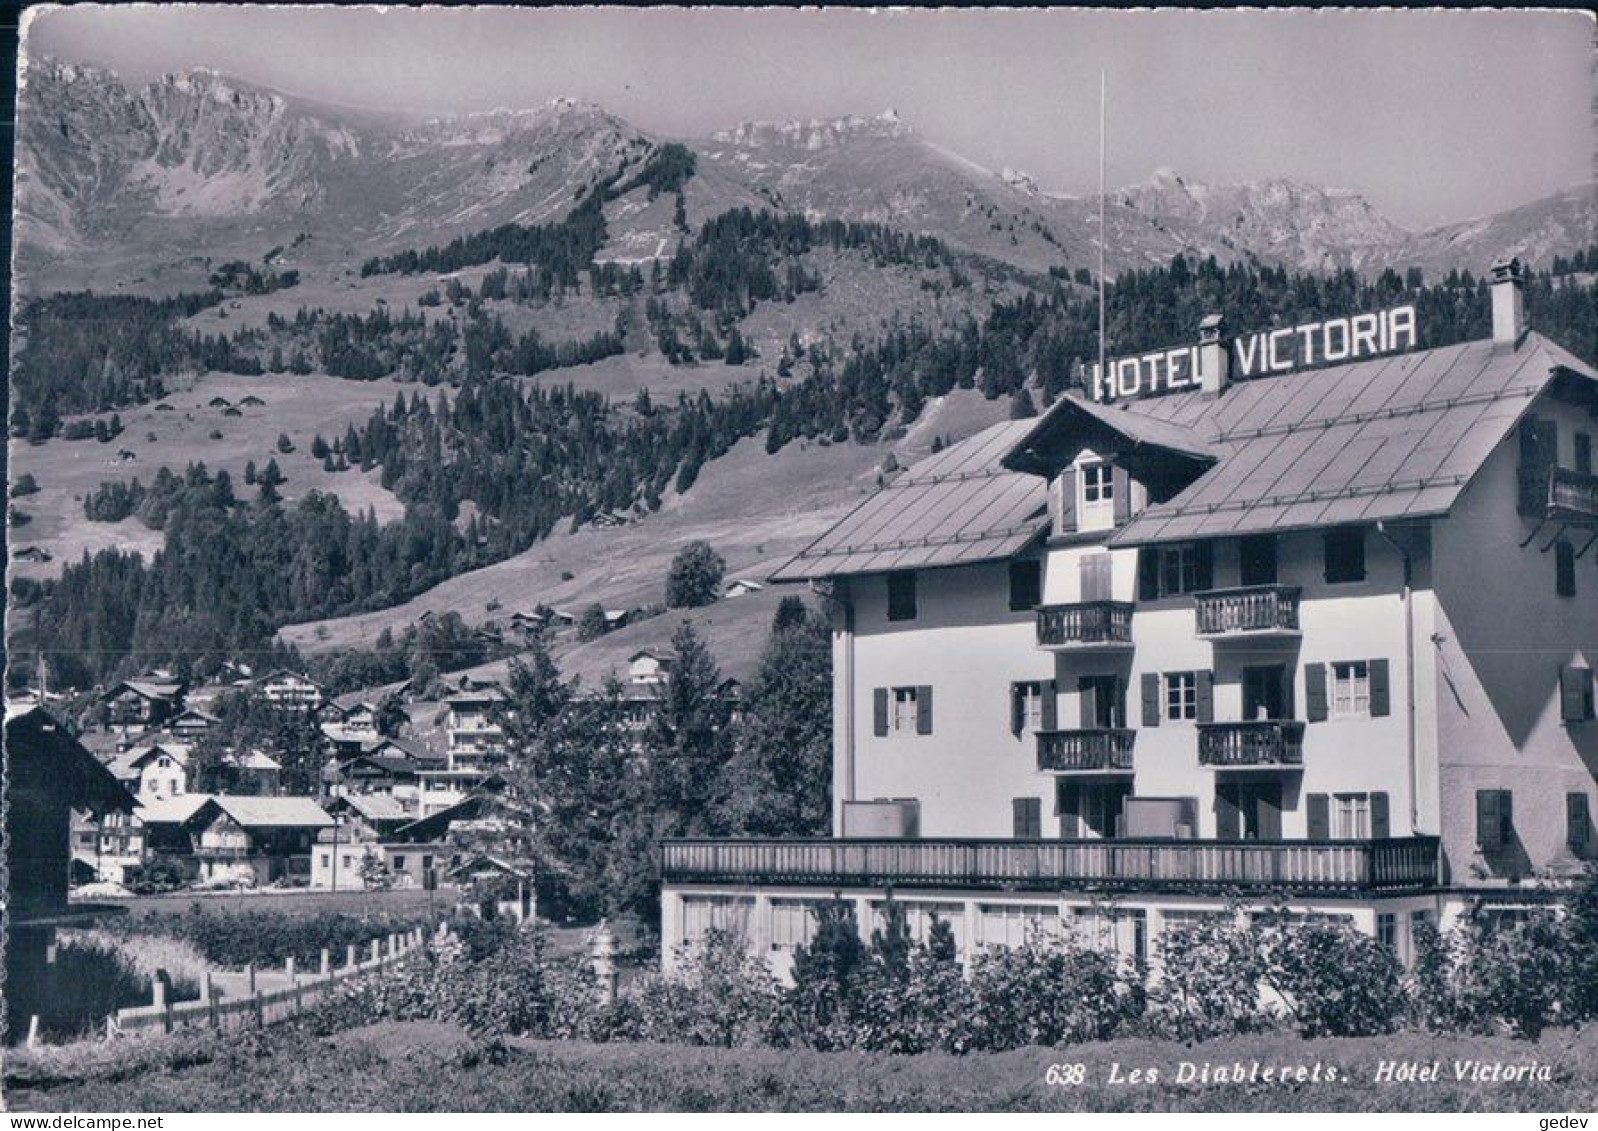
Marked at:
<point>1323,638</point>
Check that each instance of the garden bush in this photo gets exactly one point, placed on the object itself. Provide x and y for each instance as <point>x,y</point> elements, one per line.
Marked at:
<point>1208,983</point>
<point>1332,979</point>
<point>237,938</point>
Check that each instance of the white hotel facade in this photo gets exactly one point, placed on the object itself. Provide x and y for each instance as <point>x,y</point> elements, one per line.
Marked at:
<point>1323,639</point>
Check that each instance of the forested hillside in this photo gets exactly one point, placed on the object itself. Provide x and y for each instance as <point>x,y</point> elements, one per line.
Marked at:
<point>526,458</point>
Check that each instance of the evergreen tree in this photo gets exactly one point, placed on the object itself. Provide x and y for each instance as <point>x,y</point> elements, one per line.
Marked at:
<point>695,576</point>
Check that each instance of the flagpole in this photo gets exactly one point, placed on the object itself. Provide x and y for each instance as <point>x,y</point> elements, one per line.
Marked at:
<point>1103,376</point>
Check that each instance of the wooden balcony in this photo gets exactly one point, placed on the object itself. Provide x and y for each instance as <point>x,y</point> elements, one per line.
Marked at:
<point>1263,744</point>
<point>1338,867</point>
<point>1107,751</point>
<point>1573,497</point>
<point>1086,626</point>
<point>1247,613</point>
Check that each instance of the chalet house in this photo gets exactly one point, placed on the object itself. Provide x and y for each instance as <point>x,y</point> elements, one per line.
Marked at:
<point>257,840</point>
<point>252,401</point>
<point>219,402</point>
<point>142,704</point>
<point>742,587</point>
<point>257,773</point>
<point>190,725</point>
<point>155,770</point>
<point>369,816</point>
<point>1325,635</point>
<point>48,776</point>
<point>291,691</point>
<point>33,554</point>
<point>650,667</point>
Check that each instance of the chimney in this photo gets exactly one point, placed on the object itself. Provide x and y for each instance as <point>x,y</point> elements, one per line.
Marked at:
<point>1215,355</point>
<point>1509,302</point>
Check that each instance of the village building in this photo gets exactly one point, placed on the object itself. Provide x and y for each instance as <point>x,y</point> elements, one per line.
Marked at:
<point>256,840</point>
<point>141,704</point>
<point>154,770</point>
<point>291,690</point>
<point>742,587</point>
<point>476,740</point>
<point>1324,635</point>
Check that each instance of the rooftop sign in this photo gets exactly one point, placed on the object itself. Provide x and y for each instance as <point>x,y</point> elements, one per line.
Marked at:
<point>1266,353</point>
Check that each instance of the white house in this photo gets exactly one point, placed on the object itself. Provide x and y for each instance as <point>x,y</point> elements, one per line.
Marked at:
<point>1327,634</point>
<point>155,770</point>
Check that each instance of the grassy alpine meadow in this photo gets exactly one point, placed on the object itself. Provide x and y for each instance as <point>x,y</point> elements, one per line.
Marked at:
<point>429,1066</point>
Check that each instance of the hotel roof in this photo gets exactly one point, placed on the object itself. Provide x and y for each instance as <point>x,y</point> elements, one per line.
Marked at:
<point>1389,438</point>
<point>959,506</point>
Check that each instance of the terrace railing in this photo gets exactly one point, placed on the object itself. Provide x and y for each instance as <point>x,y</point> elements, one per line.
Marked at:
<point>1340,866</point>
<point>1086,751</point>
<point>1256,744</point>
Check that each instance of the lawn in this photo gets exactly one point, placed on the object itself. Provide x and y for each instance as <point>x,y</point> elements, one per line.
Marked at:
<point>426,1066</point>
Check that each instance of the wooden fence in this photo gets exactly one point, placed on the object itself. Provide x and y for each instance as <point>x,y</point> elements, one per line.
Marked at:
<point>269,994</point>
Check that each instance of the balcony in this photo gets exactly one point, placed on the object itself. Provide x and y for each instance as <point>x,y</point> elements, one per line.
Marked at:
<point>1247,613</point>
<point>1263,744</point>
<point>1094,626</point>
<point>1107,751</point>
<point>1559,494</point>
<point>1344,867</point>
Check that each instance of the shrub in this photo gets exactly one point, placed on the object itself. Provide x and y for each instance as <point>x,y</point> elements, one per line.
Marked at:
<point>1208,981</point>
<point>721,995</point>
<point>1334,980</point>
<point>1046,992</point>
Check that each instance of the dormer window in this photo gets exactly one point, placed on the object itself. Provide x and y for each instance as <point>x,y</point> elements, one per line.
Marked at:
<point>1095,495</point>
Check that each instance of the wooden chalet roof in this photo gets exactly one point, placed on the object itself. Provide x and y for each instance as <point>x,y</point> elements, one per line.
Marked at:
<point>271,812</point>
<point>1389,438</point>
<point>956,507</point>
<point>39,759</point>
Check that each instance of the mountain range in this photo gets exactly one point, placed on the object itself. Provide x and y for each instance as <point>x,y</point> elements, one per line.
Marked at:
<point>121,185</point>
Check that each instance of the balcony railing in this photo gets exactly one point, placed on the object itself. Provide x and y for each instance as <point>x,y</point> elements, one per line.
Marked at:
<point>1339,866</point>
<point>1263,743</point>
<point>1253,610</point>
<point>1086,751</point>
<point>1089,624</point>
<point>1573,496</point>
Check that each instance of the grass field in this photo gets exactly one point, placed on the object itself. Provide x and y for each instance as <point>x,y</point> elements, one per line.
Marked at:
<point>426,1066</point>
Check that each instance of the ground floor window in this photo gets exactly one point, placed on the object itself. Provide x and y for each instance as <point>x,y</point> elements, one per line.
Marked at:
<point>1010,924</point>
<point>702,914</point>
<point>1387,930</point>
<point>793,923</point>
<point>919,915</point>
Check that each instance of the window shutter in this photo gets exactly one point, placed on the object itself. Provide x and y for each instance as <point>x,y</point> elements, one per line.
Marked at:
<point>1204,564</point>
<point>1318,809</point>
<point>1017,708</point>
<point>1268,807</point>
<point>1506,816</point>
<point>1120,493</point>
<point>1206,696</point>
<point>1151,699</point>
<point>1087,700</point>
<point>1577,823</point>
<point>1488,829</point>
<point>1381,689</point>
<point>1051,705</point>
<point>1227,824</point>
<point>1381,817</point>
<point>924,710</point>
<point>1564,569</point>
<point>879,712</point>
<point>1575,694</point>
<point>1027,818</point>
<point>1065,493</point>
<point>1148,573</point>
<point>1315,692</point>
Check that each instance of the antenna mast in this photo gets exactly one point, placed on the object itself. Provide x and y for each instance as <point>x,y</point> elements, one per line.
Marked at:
<point>1103,376</point>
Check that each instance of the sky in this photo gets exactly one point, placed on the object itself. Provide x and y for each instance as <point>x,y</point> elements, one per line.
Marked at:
<point>1434,116</point>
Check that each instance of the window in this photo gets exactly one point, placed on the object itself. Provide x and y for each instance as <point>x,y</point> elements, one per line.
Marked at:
<point>1181,695</point>
<point>1096,496</point>
<point>1351,688</point>
<point>1564,569</point>
<point>1351,817</point>
<point>427,863</point>
<point>1169,571</point>
<point>919,916</point>
<point>703,913</point>
<point>348,861</point>
<point>398,864</point>
<point>904,708</point>
<point>1257,560</point>
<point>1009,924</point>
<point>1345,555</point>
<point>1026,584</point>
<point>1026,709</point>
<point>1578,824</point>
<point>1584,453</point>
<point>1387,930</point>
<point>793,922</point>
<point>1575,694</point>
<point>1495,818</point>
<point>902,596</point>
